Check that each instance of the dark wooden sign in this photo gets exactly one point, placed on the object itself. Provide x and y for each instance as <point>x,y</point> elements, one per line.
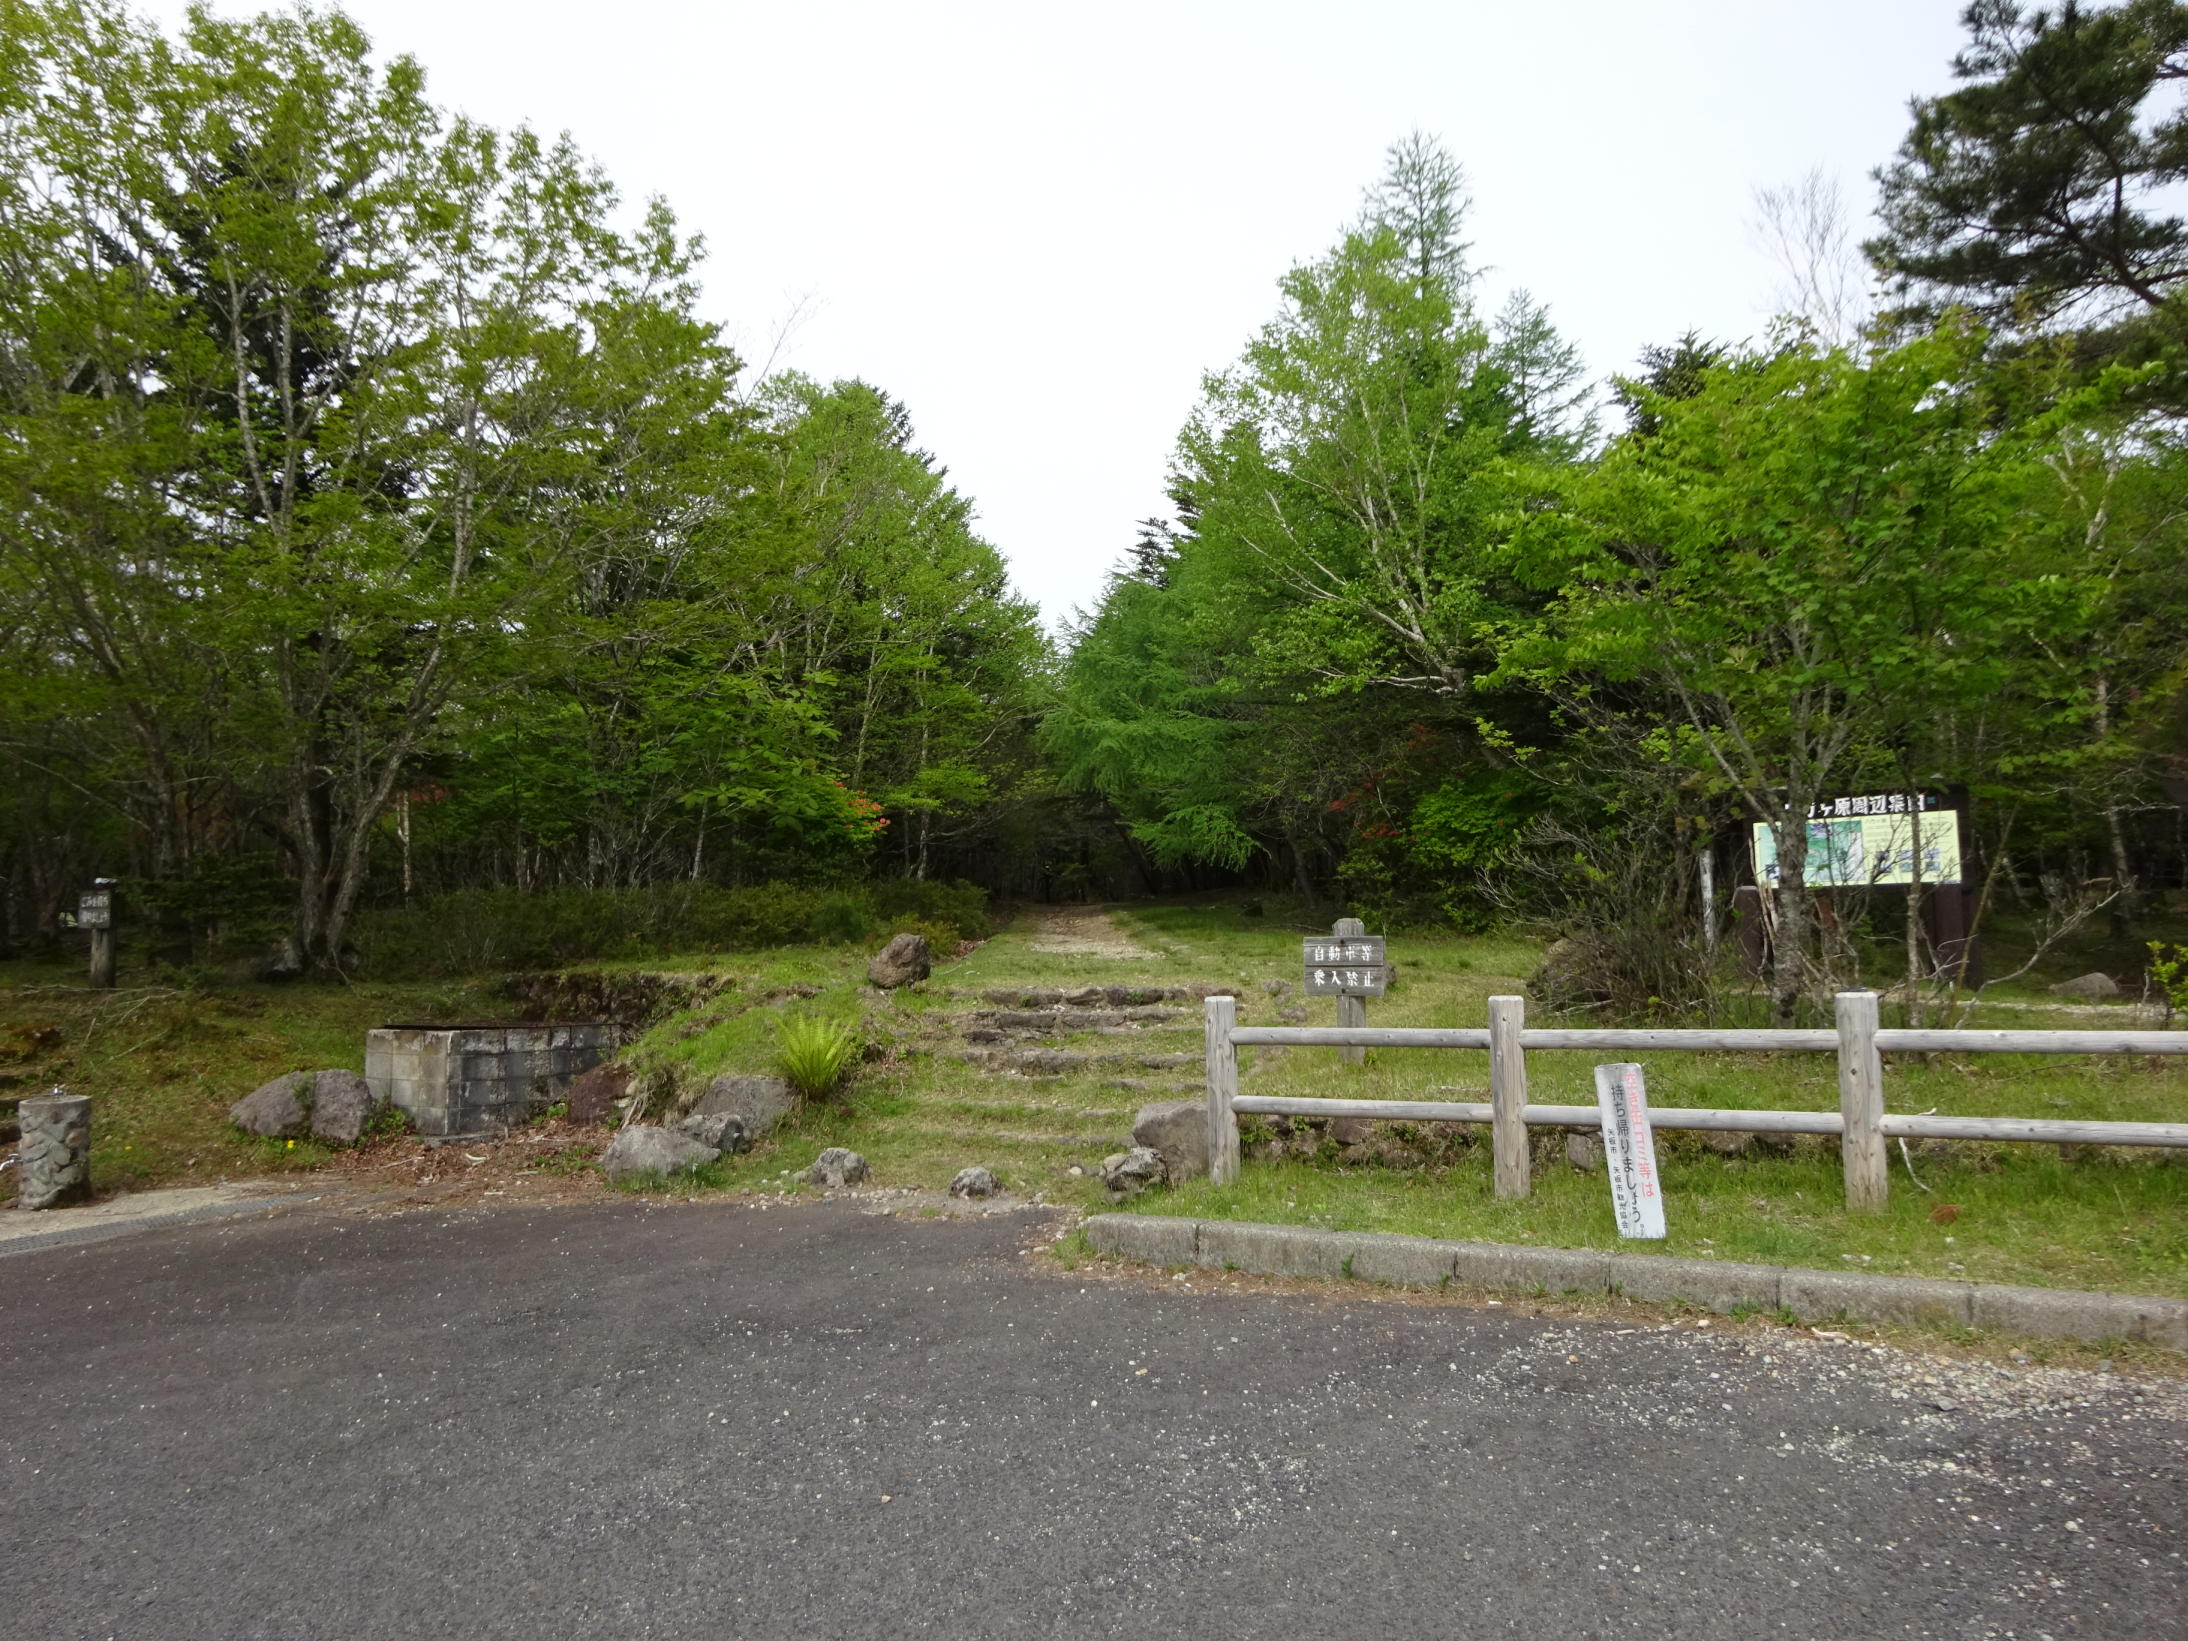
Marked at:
<point>1347,966</point>
<point>95,909</point>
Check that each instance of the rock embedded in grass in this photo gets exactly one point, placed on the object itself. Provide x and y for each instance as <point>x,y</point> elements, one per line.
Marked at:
<point>1127,1173</point>
<point>1177,1132</point>
<point>900,963</point>
<point>1584,1150</point>
<point>275,1110</point>
<point>725,1133</point>
<point>759,1102</point>
<point>837,1166</point>
<point>341,1105</point>
<point>2092,987</point>
<point>973,1182</point>
<point>643,1149</point>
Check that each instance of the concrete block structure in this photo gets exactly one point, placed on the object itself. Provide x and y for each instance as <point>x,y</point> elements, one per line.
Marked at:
<point>480,1078</point>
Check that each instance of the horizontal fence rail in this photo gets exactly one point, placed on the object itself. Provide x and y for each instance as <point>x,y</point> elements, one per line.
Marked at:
<point>1901,1041</point>
<point>1924,1126</point>
<point>1359,1037</point>
<point>1890,1040</point>
<point>1861,1122</point>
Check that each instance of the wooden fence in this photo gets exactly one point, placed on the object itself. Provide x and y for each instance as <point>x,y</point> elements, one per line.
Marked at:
<point>1861,1122</point>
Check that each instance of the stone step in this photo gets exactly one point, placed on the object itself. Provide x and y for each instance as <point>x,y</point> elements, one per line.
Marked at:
<point>954,1102</point>
<point>994,1035</point>
<point>974,1138</point>
<point>1137,1018</point>
<point>1049,997</point>
<point>1059,1062</point>
<point>1147,1087</point>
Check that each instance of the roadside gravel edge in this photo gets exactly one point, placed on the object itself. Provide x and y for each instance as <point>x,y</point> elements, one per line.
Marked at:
<point>1811,1296</point>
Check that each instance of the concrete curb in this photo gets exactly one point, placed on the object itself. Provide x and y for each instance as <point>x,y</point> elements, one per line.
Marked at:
<point>1813,1296</point>
<point>65,1236</point>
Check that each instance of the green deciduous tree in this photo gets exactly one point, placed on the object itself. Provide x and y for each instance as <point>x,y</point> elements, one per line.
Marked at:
<point>358,455</point>
<point>1341,576</point>
<point>1810,557</point>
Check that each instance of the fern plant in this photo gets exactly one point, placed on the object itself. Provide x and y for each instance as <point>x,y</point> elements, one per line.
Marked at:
<point>813,1054</point>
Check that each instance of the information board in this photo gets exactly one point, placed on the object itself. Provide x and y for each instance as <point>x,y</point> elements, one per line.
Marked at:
<point>95,909</point>
<point>1853,842</point>
<point>1629,1151</point>
<point>1347,966</point>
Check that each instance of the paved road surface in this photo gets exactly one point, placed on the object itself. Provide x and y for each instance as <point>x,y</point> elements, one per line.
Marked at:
<point>626,1420</point>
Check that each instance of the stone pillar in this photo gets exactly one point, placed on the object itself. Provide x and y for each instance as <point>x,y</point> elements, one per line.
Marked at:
<point>53,1163</point>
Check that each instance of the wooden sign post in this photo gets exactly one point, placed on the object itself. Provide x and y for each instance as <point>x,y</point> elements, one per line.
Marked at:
<point>1629,1151</point>
<point>1346,964</point>
<point>95,911</point>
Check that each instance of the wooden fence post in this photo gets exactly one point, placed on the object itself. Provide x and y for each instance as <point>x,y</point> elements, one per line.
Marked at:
<point>1221,1016</point>
<point>1508,1095</point>
<point>1351,1011</point>
<point>1861,1103</point>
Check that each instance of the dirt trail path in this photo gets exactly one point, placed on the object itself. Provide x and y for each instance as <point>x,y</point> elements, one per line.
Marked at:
<point>1086,931</point>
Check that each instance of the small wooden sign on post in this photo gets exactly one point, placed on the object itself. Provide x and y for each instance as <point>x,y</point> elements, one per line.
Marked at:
<point>1629,1151</point>
<point>1347,964</point>
<point>95,912</point>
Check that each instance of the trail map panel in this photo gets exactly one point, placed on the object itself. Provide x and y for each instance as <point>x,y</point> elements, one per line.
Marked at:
<point>1871,839</point>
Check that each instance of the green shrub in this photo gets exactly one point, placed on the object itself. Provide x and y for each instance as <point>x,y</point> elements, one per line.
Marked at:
<point>2169,973</point>
<point>941,938</point>
<point>814,1054</point>
<point>841,918</point>
<point>473,930</point>
<point>959,906</point>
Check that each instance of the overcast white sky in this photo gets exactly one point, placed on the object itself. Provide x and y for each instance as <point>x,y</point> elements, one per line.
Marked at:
<point>1037,224</point>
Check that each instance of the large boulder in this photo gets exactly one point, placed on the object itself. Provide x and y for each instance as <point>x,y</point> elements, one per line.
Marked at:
<point>759,1102</point>
<point>277,1110</point>
<point>904,960</point>
<point>2090,988</point>
<point>1177,1132</point>
<point>836,1166</point>
<point>643,1149</point>
<point>594,1094</point>
<point>341,1105</point>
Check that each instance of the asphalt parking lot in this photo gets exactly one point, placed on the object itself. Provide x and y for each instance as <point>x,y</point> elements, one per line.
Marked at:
<point>634,1419</point>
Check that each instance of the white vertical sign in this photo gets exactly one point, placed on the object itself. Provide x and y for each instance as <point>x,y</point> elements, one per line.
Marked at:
<point>1629,1151</point>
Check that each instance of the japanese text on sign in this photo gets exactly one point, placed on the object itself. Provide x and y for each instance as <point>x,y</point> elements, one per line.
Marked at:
<point>1363,951</point>
<point>1873,803</point>
<point>1629,1151</point>
<point>1348,967</point>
